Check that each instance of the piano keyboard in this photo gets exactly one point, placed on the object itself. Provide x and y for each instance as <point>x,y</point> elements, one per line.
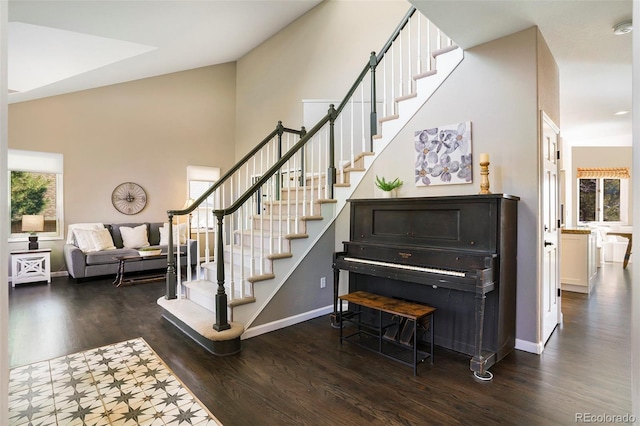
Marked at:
<point>408,267</point>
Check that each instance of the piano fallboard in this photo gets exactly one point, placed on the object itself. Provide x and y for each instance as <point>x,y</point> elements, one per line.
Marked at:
<point>454,260</point>
<point>473,281</point>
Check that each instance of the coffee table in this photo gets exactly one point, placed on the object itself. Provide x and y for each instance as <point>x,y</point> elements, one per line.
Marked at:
<point>139,279</point>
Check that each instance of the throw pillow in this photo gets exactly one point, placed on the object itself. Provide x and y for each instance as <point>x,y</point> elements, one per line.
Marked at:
<point>90,240</point>
<point>84,240</point>
<point>134,237</point>
<point>71,238</point>
<point>179,234</point>
<point>102,239</point>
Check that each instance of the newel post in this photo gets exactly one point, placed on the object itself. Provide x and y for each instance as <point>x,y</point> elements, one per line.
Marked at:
<point>221,297</point>
<point>331,172</point>
<point>373,63</point>
<point>171,265</point>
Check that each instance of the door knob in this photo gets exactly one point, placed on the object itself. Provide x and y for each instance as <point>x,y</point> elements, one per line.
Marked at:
<point>547,243</point>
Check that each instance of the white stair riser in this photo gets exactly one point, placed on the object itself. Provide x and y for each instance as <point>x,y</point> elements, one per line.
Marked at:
<point>292,209</point>
<point>206,299</point>
<point>246,260</point>
<point>298,194</point>
<point>264,243</point>
<point>284,225</point>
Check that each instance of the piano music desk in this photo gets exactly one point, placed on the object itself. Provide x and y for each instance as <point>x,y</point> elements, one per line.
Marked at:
<point>414,312</point>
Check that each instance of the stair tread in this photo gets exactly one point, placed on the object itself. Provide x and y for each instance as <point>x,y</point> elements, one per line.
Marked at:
<point>405,97</point>
<point>389,118</point>
<point>200,319</point>
<point>444,50</point>
<point>357,158</point>
<point>425,74</point>
<point>239,250</point>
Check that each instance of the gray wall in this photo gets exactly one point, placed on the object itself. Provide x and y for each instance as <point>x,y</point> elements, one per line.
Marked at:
<point>301,292</point>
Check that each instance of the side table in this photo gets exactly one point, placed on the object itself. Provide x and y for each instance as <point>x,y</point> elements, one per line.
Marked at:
<point>28,266</point>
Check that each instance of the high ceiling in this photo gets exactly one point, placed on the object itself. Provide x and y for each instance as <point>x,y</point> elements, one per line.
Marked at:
<point>595,64</point>
<point>162,36</point>
<point>169,36</point>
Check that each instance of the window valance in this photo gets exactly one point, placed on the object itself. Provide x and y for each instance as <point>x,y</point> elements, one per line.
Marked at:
<point>603,172</point>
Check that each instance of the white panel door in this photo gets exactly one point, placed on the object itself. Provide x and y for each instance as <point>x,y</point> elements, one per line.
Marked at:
<point>551,228</point>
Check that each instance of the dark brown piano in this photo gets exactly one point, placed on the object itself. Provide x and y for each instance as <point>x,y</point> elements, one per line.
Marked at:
<point>455,253</point>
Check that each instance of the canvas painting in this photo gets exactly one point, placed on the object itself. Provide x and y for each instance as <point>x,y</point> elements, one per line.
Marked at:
<point>443,155</point>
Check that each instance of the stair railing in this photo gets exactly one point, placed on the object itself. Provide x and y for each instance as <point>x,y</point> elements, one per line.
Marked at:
<point>278,189</point>
<point>232,181</point>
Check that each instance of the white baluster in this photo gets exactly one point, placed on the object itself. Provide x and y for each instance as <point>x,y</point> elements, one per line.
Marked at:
<point>428,58</point>
<point>419,64</point>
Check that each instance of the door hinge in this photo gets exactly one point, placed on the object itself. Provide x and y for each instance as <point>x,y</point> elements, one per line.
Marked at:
<point>558,292</point>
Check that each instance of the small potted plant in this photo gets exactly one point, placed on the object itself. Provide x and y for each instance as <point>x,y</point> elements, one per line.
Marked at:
<point>388,188</point>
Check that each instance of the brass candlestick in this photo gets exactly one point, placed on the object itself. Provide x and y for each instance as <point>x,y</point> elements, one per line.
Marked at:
<point>484,178</point>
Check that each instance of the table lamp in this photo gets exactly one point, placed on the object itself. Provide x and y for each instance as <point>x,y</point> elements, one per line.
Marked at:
<point>33,223</point>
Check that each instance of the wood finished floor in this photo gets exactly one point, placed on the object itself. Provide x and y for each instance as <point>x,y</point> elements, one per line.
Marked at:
<point>301,375</point>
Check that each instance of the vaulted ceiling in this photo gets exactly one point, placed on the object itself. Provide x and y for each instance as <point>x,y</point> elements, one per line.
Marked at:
<point>157,37</point>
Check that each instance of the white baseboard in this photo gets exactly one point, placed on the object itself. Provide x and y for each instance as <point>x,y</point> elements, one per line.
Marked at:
<point>531,347</point>
<point>286,322</point>
<point>53,274</point>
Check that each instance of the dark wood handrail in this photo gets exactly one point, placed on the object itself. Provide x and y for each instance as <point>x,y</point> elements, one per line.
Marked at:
<point>272,170</point>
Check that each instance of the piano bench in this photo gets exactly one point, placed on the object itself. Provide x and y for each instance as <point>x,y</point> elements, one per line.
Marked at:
<point>383,338</point>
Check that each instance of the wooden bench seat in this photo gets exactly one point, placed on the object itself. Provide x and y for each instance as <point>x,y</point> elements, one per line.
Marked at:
<point>415,313</point>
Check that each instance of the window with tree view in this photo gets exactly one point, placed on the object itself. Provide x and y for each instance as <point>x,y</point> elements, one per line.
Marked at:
<point>599,200</point>
<point>35,188</point>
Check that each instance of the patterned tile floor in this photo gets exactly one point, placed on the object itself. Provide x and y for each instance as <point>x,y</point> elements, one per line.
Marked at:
<point>121,384</point>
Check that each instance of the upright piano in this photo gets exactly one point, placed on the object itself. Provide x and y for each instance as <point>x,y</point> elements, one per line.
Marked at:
<point>454,253</point>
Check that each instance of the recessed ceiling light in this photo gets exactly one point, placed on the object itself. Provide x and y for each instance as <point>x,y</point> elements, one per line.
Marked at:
<point>621,113</point>
<point>623,28</point>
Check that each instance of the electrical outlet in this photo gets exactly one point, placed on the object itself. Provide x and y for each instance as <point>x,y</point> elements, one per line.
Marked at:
<point>323,282</point>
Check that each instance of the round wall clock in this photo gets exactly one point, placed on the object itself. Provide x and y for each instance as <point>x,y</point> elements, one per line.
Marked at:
<point>129,198</point>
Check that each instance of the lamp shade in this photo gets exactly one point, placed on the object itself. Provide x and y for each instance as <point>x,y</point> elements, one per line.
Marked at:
<point>32,223</point>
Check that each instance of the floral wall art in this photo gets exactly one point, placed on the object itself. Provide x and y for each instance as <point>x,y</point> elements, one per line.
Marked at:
<point>443,155</point>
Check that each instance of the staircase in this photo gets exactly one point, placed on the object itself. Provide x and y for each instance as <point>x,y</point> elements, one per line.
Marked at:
<point>270,209</point>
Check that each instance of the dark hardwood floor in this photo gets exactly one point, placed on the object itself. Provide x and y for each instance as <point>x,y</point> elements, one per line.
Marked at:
<point>301,375</point>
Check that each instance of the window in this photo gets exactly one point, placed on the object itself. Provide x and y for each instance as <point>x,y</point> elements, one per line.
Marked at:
<point>603,195</point>
<point>35,188</point>
<point>200,179</point>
